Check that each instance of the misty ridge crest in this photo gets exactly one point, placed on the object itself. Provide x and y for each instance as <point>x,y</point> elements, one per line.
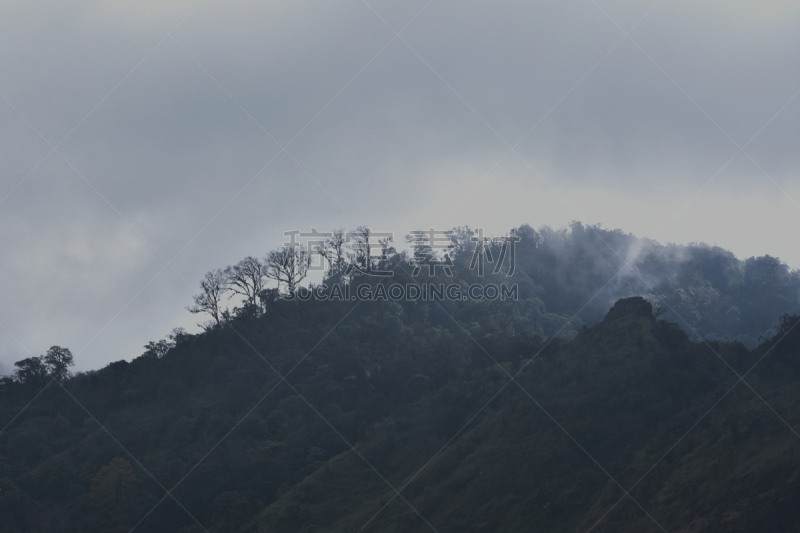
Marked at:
<point>576,273</point>
<point>209,417</point>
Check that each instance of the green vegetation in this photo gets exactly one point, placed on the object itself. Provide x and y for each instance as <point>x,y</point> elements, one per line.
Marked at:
<point>418,396</point>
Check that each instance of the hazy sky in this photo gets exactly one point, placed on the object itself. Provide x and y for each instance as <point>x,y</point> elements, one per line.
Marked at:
<point>674,120</point>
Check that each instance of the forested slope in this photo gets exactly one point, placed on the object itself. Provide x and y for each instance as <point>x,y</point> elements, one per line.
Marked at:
<point>536,412</point>
<point>548,448</point>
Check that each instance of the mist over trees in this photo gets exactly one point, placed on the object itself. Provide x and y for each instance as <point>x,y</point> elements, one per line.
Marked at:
<point>574,273</point>
<point>567,278</point>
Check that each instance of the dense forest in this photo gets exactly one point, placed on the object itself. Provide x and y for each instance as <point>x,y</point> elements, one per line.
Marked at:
<point>567,278</point>
<point>630,386</point>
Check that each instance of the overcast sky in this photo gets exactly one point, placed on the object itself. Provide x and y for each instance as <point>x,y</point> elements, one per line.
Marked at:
<point>256,117</point>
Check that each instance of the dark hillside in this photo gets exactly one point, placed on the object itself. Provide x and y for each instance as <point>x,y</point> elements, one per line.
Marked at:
<point>485,414</point>
<point>404,390</point>
<point>622,393</point>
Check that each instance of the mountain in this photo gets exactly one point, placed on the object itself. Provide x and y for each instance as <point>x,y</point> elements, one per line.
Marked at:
<point>452,415</point>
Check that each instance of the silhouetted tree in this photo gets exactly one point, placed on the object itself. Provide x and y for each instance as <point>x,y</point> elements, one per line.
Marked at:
<point>361,249</point>
<point>246,278</point>
<point>31,371</point>
<point>288,265</point>
<point>157,350</point>
<point>214,286</point>
<point>178,335</point>
<point>58,360</point>
<point>361,258</point>
<point>334,251</point>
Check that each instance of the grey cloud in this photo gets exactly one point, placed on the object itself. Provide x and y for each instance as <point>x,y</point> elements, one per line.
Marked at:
<point>168,150</point>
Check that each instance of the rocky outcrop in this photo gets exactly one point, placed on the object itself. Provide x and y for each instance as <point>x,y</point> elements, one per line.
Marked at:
<point>636,306</point>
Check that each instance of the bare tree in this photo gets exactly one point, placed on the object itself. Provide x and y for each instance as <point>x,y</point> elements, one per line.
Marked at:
<point>214,286</point>
<point>246,278</point>
<point>387,250</point>
<point>333,250</point>
<point>361,248</point>
<point>288,265</point>
<point>361,260</point>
